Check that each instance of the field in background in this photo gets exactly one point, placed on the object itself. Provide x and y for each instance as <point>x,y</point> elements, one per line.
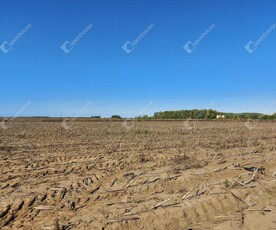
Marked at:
<point>141,175</point>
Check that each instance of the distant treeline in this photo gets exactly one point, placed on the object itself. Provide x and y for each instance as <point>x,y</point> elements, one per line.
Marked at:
<point>206,114</point>
<point>203,114</point>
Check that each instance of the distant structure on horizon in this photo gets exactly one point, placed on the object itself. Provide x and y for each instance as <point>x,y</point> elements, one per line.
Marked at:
<point>220,116</point>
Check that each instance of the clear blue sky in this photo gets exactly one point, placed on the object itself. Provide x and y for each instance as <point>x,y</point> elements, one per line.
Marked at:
<point>218,74</point>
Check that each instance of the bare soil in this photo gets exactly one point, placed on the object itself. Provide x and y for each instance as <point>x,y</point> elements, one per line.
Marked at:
<point>155,175</point>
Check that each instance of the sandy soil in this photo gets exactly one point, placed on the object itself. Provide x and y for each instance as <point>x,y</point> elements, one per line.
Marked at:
<point>156,175</point>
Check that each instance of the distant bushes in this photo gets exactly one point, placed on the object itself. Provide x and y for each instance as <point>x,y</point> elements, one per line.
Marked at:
<point>145,117</point>
<point>116,116</point>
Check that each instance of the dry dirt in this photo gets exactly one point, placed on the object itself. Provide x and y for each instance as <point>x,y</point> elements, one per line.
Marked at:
<point>156,175</point>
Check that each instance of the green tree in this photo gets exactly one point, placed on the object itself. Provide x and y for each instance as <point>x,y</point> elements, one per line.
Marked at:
<point>116,116</point>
